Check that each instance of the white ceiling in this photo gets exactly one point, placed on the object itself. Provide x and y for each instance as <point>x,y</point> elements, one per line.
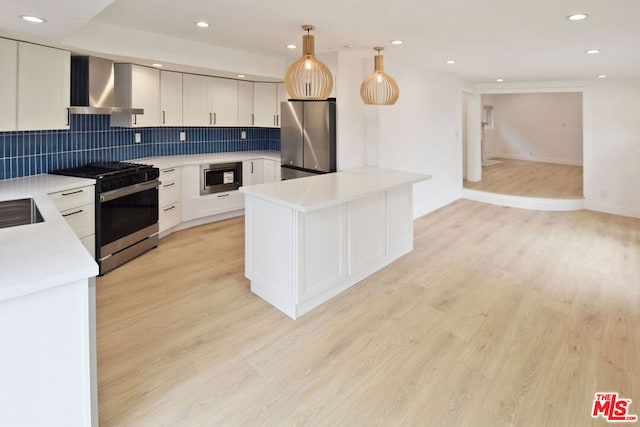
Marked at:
<point>516,40</point>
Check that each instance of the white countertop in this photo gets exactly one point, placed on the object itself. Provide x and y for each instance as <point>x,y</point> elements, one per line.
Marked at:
<point>40,256</point>
<point>317,192</point>
<point>199,159</point>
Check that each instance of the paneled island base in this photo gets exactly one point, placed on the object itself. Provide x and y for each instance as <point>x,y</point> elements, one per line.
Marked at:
<point>309,239</point>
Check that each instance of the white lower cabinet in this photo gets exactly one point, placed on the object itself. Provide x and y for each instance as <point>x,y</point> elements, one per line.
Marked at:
<point>77,206</point>
<point>259,171</point>
<point>169,195</point>
<point>218,203</point>
<point>197,206</point>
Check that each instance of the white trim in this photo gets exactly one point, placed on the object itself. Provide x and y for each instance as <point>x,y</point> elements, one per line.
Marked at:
<point>537,159</point>
<point>532,203</point>
<point>613,209</point>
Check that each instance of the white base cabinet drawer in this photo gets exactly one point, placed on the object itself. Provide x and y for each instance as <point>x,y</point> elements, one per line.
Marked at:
<point>218,203</point>
<point>170,174</point>
<point>81,219</point>
<point>169,193</point>
<point>170,216</point>
<point>74,197</point>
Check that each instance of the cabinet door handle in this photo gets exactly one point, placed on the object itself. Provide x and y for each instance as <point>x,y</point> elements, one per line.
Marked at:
<point>215,119</point>
<point>135,119</point>
<point>253,120</point>
<point>73,192</point>
<point>163,117</point>
<point>278,120</point>
<point>169,185</point>
<point>68,116</point>
<point>169,208</point>
<point>210,118</point>
<point>168,170</point>
<point>223,195</point>
<point>251,167</point>
<point>73,213</point>
<point>274,120</point>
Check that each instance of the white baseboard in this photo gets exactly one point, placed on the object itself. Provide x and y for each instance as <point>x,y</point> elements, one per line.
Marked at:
<point>533,203</point>
<point>612,209</point>
<point>537,159</point>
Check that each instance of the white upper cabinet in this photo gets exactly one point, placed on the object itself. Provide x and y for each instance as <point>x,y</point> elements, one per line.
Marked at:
<point>137,87</point>
<point>9,83</point>
<point>44,81</point>
<point>265,101</point>
<point>170,98</point>
<point>224,101</point>
<point>245,103</point>
<point>196,109</point>
<point>209,101</point>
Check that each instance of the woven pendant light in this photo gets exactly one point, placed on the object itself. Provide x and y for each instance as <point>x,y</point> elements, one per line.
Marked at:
<point>379,88</point>
<point>308,78</point>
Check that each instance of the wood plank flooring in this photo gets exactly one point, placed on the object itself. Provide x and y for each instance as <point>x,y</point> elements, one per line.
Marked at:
<point>499,317</point>
<point>530,179</point>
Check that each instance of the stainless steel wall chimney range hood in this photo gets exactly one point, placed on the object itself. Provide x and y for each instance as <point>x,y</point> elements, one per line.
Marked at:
<point>92,88</point>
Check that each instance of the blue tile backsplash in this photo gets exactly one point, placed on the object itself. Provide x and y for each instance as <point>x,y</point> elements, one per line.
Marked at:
<point>91,139</point>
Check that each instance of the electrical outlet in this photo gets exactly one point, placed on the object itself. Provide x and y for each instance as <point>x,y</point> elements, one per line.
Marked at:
<point>243,134</point>
<point>138,138</point>
<point>183,136</point>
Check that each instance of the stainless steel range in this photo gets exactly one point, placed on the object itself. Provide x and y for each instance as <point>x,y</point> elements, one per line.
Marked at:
<point>126,209</point>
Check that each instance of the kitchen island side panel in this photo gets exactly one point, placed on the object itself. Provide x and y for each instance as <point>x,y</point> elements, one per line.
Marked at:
<point>271,253</point>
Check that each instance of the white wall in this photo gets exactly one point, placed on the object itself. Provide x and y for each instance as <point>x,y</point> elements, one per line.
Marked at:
<point>612,147</point>
<point>421,133</point>
<point>351,111</point>
<point>544,127</point>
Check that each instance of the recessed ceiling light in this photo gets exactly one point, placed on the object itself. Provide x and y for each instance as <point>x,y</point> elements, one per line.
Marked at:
<point>33,19</point>
<point>602,76</point>
<point>157,65</point>
<point>451,61</point>
<point>577,17</point>
<point>291,46</point>
<point>592,51</point>
<point>241,76</point>
<point>397,42</point>
<point>499,80</point>
<point>202,24</point>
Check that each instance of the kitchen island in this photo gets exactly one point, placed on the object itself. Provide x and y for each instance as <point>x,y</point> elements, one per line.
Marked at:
<point>309,239</point>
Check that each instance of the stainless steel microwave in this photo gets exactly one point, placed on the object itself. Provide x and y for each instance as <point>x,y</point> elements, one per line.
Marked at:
<point>220,177</point>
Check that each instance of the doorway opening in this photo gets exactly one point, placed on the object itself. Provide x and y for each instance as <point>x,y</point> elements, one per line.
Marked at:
<point>531,144</point>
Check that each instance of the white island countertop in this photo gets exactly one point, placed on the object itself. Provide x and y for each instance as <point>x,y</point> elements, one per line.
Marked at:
<point>317,192</point>
<point>40,256</point>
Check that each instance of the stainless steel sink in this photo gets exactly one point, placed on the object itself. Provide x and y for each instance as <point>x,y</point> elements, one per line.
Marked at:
<point>19,212</point>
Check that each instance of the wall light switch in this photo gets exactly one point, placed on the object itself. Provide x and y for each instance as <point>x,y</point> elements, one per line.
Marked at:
<point>138,138</point>
<point>183,136</point>
<point>243,134</point>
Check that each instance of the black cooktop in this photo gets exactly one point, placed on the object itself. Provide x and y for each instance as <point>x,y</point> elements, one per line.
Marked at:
<point>100,170</point>
<point>112,175</point>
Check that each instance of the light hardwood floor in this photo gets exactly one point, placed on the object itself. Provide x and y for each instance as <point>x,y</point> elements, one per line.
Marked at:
<point>530,179</point>
<point>499,316</point>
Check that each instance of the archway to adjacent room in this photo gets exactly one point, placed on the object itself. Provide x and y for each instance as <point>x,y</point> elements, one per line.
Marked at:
<point>531,144</point>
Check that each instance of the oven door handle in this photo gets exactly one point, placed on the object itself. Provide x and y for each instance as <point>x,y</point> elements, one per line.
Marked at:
<point>125,191</point>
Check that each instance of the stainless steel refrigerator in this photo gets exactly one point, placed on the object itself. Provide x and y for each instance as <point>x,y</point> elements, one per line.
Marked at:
<point>308,138</point>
